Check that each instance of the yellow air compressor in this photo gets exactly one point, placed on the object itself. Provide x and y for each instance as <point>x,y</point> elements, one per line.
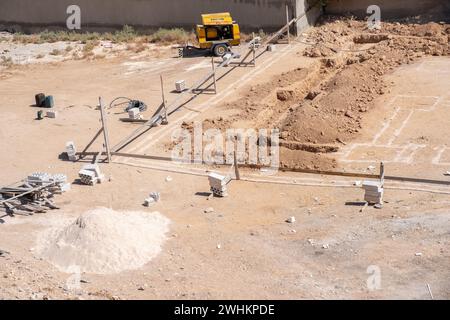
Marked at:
<point>218,33</point>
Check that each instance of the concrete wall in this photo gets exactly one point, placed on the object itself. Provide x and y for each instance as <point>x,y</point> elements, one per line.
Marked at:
<point>390,9</point>
<point>251,14</point>
<point>254,14</point>
<point>309,11</point>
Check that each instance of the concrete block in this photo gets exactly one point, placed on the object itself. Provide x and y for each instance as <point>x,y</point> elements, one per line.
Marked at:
<point>66,187</point>
<point>71,150</point>
<point>94,168</point>
<point>134,113</point>
<point>52,114</point>
<point>59,178</point>
<point>39,178</point>
<point>149,201</point>
<point>271,48</point>
<point>90,174</point>
<point>180,86</point>
<point>371,184</point>
<point>373,192</point>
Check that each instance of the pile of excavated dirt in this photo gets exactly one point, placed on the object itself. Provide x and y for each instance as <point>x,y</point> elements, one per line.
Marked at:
<point>319,109</point>
<point>357,79</point>
<point>265,106</point>
<point>104,241</point>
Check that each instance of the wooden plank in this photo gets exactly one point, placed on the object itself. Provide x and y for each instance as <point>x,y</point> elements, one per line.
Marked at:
<point>133,120</point>
<point>105,129</point>
<point>297,170</point>
<point>91,142</point>
<point>28,192</point>
<point>214,74</point>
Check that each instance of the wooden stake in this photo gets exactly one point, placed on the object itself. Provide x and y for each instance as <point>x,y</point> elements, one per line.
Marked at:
<point>105,129</point>
<point>254,57</point>
<point>382,174</point>
<point>429,291</point>
<point>236,165</point>
<point>253,50</point>
<point>214,74</point>
<point>90,143</point>
<point>163,100</point>
<point>366,204</point>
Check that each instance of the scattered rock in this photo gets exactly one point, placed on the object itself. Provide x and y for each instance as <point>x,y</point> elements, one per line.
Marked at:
<point>153,198</point>
<point>378,206</point>
<point>208,210</point>
<point>285,95</point>
<point>284,135</point>
<point>349,114</point>
<point>290,220</point>
<point>370,38</point>
<point>312,94</point>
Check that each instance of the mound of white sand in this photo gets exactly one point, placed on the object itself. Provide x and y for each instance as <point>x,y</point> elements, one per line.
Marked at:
<point>104,241</point>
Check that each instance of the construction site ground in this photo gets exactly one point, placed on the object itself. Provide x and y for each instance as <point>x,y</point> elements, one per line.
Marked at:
<point>244,248</point>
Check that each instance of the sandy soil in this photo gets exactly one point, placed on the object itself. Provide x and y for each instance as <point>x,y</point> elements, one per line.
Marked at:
<point>325,104</point>
<point>244,248</point>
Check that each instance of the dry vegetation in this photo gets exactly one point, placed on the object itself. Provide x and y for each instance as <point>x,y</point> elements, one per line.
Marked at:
<point>6,62</point>
<point>126,35</point>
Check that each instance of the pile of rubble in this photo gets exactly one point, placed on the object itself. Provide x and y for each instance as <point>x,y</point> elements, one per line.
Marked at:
<point>33,194</point>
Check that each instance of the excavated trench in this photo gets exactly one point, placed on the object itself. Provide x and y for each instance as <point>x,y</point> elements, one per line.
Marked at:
<point>320,108</point>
